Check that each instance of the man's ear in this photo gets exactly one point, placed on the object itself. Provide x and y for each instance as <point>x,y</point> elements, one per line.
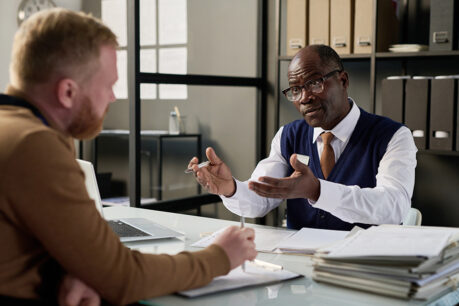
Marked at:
<point>67,90</point>
<point>344,78</point>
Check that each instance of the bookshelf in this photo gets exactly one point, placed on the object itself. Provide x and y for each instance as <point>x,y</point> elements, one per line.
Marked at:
<point>366,73</point>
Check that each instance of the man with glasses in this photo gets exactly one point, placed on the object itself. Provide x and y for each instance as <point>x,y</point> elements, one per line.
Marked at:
<point>338,167</point>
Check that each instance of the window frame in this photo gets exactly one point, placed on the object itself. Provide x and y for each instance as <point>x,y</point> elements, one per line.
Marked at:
<point>136,77</point>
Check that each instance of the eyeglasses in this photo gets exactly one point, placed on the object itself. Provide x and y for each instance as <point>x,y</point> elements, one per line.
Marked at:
<point>316,86</point>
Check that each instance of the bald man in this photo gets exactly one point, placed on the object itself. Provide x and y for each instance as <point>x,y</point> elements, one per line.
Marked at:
<point>360,169</point>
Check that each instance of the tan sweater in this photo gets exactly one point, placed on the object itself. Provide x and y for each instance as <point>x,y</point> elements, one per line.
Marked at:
<point>46,215</point>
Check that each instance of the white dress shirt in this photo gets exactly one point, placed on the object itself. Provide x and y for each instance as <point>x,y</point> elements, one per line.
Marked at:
<point>387,203</point>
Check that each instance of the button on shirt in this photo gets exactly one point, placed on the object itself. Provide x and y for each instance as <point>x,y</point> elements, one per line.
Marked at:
<point>388,202</point>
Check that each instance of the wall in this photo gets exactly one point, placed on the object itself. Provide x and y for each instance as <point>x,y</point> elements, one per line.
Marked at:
<point>8,10</point>
<point>222,40</point>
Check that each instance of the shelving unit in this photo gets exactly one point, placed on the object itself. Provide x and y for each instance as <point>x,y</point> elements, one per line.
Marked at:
<point>367,72</point>
<point>374,59</point>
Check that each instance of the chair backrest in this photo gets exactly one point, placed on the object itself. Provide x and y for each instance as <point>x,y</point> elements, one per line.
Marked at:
<point>414,217</point>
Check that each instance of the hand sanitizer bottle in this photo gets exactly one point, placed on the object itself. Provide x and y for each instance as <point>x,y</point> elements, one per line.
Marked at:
<point>173,123</point>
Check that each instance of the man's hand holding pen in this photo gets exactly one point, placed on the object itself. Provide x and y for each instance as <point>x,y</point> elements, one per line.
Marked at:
<point>215,177</point>
<point>238,243</point>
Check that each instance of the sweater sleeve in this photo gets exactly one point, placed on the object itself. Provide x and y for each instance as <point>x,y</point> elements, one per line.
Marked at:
<point>50,202</point>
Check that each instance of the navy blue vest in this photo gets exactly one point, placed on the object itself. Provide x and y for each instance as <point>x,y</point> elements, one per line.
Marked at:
<point>357,165</point>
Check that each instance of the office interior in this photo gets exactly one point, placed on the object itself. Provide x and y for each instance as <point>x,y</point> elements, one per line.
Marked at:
<point>223,65</point>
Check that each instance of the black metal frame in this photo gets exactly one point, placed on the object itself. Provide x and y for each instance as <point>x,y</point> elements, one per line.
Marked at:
<point>135,78</point>
<point>159,153</point>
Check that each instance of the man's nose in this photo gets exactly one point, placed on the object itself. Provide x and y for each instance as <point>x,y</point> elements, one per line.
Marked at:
<point>306,96</point>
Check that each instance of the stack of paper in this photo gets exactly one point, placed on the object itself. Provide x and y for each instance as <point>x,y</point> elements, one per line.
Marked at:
<point>308,240</point>
<point>398,261</point>
<point>408,48</point>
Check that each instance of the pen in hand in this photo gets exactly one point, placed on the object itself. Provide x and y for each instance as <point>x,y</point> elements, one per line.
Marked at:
<point>201,165</point>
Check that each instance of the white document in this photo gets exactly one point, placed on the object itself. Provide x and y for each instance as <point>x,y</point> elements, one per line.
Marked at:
<point>237,278</point>
<point>308,240</point>
<point>394,241</point>
<point>266,240</point>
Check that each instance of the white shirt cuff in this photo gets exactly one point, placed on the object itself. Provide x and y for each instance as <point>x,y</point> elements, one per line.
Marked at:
<point>330,196</point>
<point>236,192</point>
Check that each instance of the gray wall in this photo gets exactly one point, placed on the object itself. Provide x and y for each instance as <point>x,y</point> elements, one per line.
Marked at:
<point>222,40</point>
<point>8,11</point>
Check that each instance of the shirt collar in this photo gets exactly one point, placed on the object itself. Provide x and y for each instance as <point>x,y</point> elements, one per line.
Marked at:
<point>20,102</point>
<point>343,130</point>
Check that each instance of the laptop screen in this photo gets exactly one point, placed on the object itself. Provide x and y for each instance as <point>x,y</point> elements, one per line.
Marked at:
<point>91,183</point>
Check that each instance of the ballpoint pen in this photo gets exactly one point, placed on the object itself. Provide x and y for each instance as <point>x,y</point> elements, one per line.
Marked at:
<point>242,226</point>
<point>203,164</point>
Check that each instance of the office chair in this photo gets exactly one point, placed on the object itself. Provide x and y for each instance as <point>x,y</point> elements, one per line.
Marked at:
<point>414,217</point>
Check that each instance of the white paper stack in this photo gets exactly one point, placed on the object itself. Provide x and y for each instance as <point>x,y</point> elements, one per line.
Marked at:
<point>399,261</point>
<point>408,48</point>
<point>308,240</point>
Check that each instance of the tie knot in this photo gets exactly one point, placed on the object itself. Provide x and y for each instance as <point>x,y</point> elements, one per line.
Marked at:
<point>327,137</point>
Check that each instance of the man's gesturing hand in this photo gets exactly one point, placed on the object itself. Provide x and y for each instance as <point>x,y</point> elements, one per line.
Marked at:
<point>301,184</point>
<point>216,177</point>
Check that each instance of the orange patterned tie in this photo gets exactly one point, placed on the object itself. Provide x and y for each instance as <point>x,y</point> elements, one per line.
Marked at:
<point>327,159</point>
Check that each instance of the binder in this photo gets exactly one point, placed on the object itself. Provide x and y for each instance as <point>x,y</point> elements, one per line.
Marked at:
<point>388,25</point>
<point>444,21</point>
<point>363,27</point>
<point>392,89</point>
<point>457,113</point>
<point>417,93</point>
<point>319,22</point>
<point>341,25</point>
<point>442,100</point>
<point>296,25</point>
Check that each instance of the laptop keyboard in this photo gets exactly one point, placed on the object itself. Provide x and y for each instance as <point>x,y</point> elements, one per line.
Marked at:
<point>125,230</point>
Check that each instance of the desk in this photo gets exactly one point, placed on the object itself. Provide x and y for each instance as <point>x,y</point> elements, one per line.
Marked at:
<point>158,136</point>
<point>303,291</point>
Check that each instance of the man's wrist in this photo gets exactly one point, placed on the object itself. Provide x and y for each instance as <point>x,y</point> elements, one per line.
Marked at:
<point>315,192</point>
<point>232,190</point>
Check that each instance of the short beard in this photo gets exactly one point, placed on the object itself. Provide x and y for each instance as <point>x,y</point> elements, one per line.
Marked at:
<point>86,125</point>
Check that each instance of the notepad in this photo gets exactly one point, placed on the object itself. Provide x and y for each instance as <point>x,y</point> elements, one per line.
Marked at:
<point>253,276</point>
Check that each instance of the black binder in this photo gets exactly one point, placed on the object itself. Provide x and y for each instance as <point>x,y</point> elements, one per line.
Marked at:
<point>417,93</point>
<point>457,114</point>
<point>442,100</point>
<point>444,21</point>
<point>392,97</point>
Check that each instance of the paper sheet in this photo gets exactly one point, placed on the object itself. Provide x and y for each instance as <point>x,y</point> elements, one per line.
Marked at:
<point>266,240</point>
<point>308,240</point>
<point>394,241</point>
<point>238,279</point>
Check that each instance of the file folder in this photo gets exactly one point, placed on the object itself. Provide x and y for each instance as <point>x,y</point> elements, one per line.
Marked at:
<point>341,25</point>
<point>363,27</point>
<point>442,100</point>
<point>417,93</point>
<point>444,21</point>
<point>296,25</point>
<point>388,25</point>
<point>393,89</point>
<point>319,22</point>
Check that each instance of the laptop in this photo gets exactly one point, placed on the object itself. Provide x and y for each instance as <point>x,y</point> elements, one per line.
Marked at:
<point>128,229</point>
